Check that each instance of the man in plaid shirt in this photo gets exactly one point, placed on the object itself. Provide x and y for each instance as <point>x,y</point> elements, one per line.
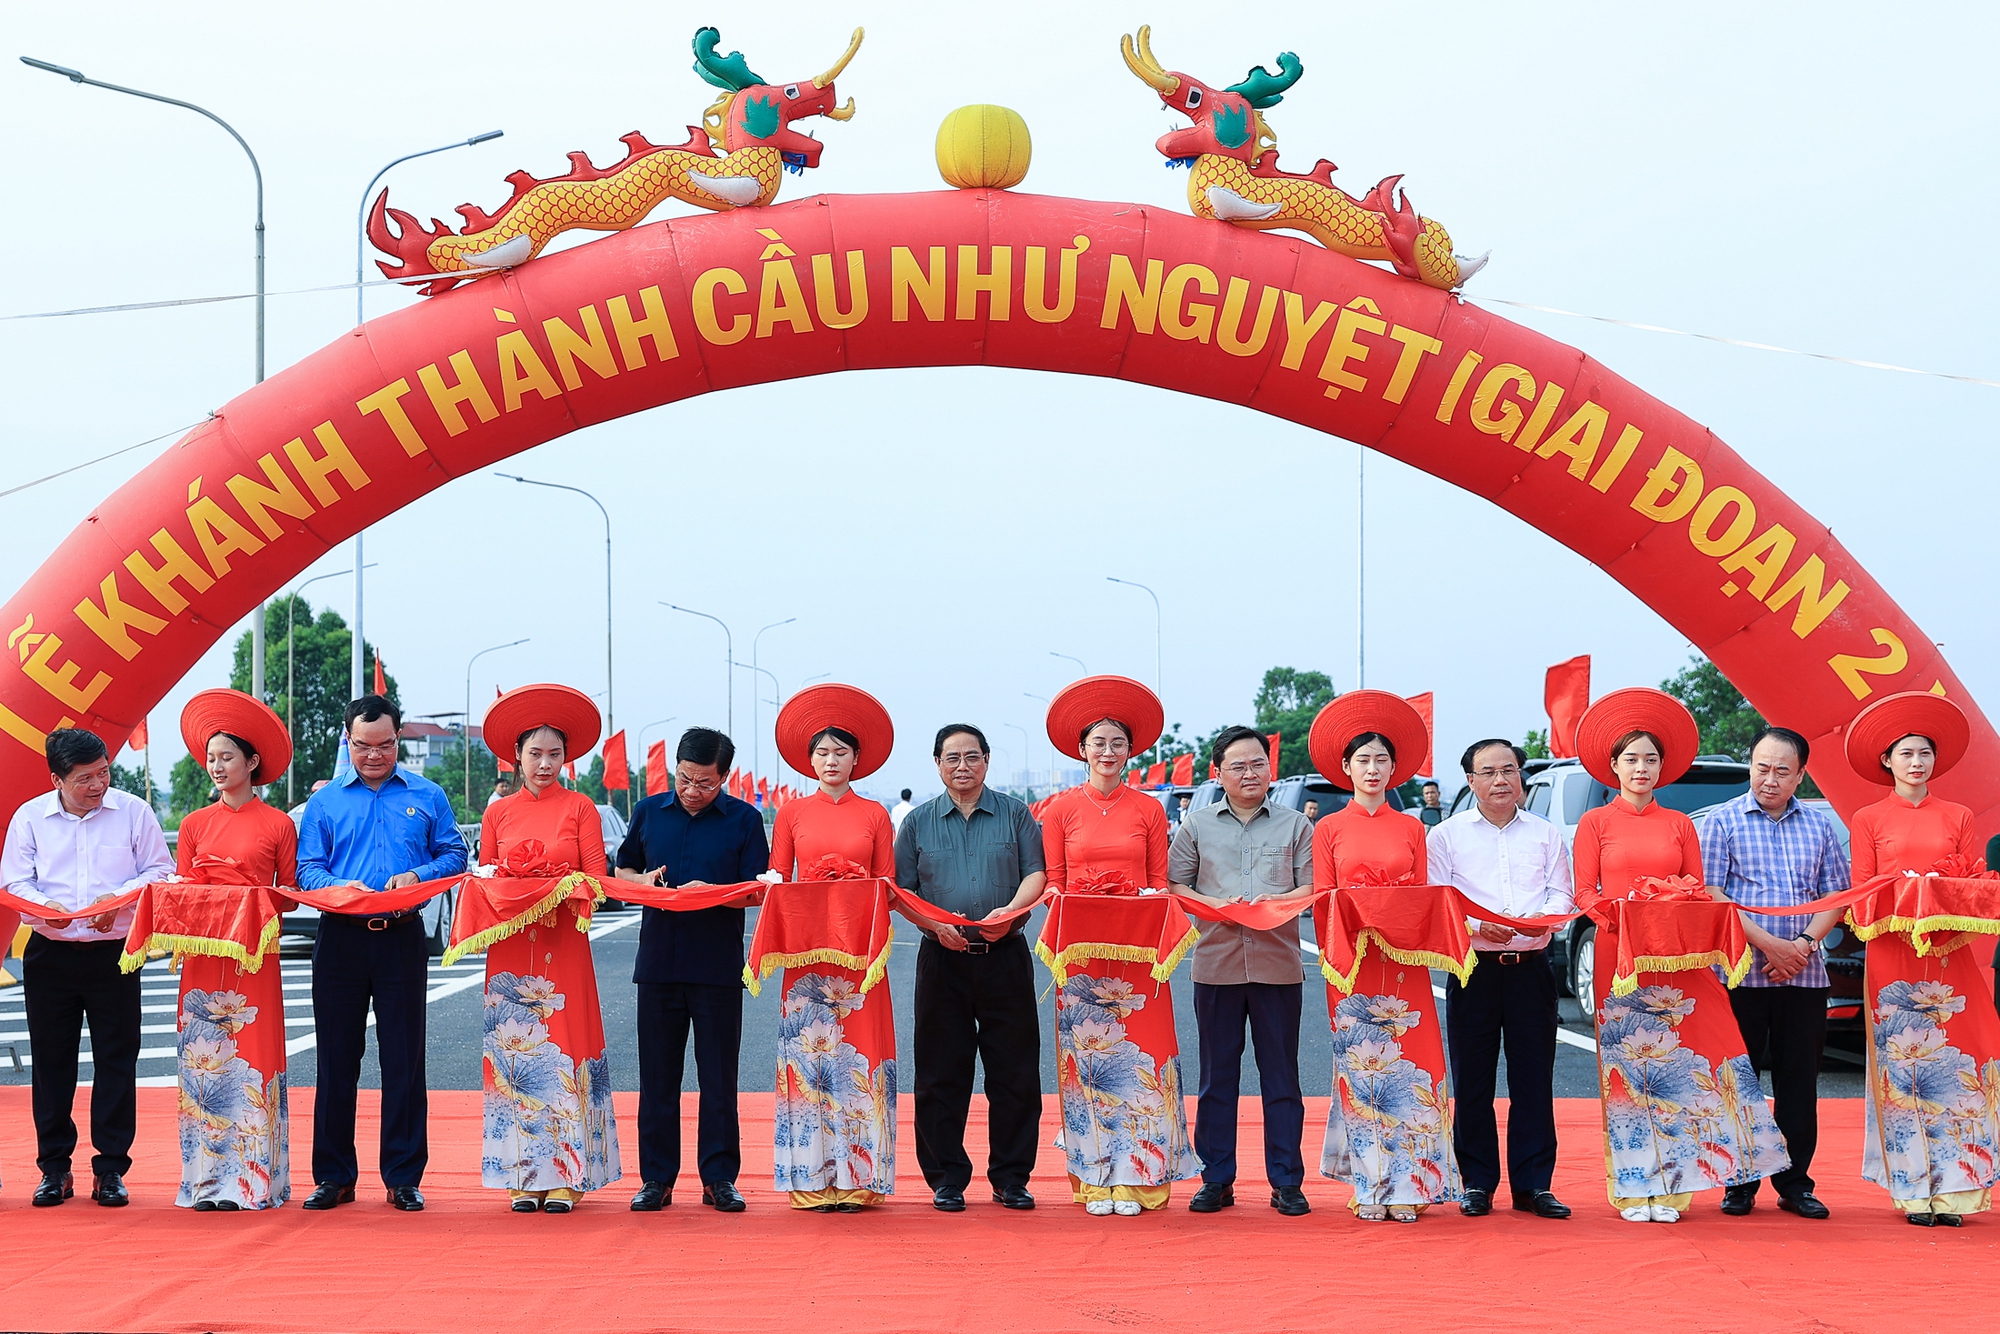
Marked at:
<point>1774,857</point>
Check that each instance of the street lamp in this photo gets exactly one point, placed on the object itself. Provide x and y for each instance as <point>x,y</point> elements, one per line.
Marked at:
<point>360,242</point>
<point>728,658</point>
<point>468,714</point>
<point>1073,658</point>
<point>756,715</point>
<point>291,606</point>
<point>75,76</point>
<point>1027,749</point>
<point>1052,745</point>
<point>657,722</point>
<point>1158,689</point>
<point>558,486</point>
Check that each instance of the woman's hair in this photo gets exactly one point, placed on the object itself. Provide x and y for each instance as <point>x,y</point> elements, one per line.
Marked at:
<point>521,741</point>
<point>1356,743</point>
<point>1083,737</point>
<point>1619,746</point>
<point>1890,749</point>
<point>840,734</point>
<point>248,752</point>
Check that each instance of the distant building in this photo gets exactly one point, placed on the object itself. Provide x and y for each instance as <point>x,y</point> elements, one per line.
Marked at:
<point>424,744</point>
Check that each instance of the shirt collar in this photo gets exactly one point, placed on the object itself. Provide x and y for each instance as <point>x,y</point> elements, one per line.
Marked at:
<point>1479,816</point>
<point>52,806</point>
<point>1356,809</point>
<point>349,776</point>
<point>1747,803</point>
<point>1227,812</point>
<point>989,801</point>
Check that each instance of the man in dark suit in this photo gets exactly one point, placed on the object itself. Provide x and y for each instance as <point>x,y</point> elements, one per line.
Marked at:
<point>690,969</point>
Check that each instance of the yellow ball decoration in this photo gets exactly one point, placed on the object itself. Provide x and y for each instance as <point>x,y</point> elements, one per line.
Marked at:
<point>983,147</point>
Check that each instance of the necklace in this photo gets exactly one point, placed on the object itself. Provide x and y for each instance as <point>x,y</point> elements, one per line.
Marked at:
<point>1103,807</point>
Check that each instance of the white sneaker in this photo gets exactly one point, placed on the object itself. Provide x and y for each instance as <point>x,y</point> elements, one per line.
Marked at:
<point>1662,1214</point>
<point>1125,1208</point>
<point>1098,1208</point>
<point>1638,1213</point>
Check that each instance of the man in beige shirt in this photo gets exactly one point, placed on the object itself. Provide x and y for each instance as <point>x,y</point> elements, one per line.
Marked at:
<point>1239,850</point>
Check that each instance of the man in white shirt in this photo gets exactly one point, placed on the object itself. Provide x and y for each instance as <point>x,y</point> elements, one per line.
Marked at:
<point>1512,861</point>
<point>81,845</point>
<point>898,811</point>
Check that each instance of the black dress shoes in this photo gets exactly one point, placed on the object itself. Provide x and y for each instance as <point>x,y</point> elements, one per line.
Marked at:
<point>722,1197</point>
<point>1541,1204</point>
<point>653,1196</point>
<point>407,1198</point>
<point>1213,1197</point>
<point>525,1204</point>
<point>948,1200</point>
<point>1739,1200</point>
<point>55,1188</point>
<point>109,1190</point>
<point>1014,1197</point>
<point>1290,1201</point>
<point>1805,1204</point>
<point>216,1206</point>
<point>1477,1203</point>
<point>328,1194</point>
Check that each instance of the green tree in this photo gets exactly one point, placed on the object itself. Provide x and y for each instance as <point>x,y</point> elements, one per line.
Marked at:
<point>190,789</point>
<point>449,773</point>
<point>1536,744</point>
<point>131,780</point>
<point>320,670</point>
<point>1287,703</point>
<point>1727,721</point>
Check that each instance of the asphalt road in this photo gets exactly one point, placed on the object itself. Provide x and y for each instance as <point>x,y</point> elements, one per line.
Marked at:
<point>452,1055</point>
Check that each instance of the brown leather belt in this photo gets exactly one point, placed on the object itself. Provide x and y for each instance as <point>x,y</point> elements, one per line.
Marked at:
<point>1510,957</point>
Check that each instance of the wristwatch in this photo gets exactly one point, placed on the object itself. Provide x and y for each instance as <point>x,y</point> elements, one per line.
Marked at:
<point>1807,937</point>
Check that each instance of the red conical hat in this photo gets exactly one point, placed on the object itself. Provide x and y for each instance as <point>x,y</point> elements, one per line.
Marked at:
<point>1637,709</point>
<point>238,714</point>
<point>1907,713</point>
<point>849,708</point>
<point>1358,711</point>
<point>524,708</point>
<point>1085,703</point>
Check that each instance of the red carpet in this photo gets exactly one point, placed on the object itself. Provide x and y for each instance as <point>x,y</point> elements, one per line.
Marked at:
<point>465,1263</point>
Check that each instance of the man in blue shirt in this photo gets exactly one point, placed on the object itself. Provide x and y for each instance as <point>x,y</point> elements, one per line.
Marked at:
<point>376,826</point>
<point>690,968</point>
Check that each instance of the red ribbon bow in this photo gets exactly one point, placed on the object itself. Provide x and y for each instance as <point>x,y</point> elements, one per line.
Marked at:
<point>1669,889</point>
<point>1109,883</point>
<point>210,869</point>
<point>1368,875</point>
<point>833,866</point>
<point>529,860</point>
<point>1958,866</point>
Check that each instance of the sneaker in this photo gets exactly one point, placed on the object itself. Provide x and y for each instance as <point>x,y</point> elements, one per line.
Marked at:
<point>1098,1208</point>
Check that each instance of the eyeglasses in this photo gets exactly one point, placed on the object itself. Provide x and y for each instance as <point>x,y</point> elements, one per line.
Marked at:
<point>362,748</point>
<point>1505,771</point>
<point>1244,768</point>
<point>681,780</point>
<point>1110,746</point>
<point>954,760</point>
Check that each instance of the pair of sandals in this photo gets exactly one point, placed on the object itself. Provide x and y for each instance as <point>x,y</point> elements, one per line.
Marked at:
<point>1395,1213</point>
<point>1934,1220</point>
<point>216,1206</point>
<point>1105,1208</point>
<point>844,1207</point>
<point>528,1204</point>
<point>1650,1213</point>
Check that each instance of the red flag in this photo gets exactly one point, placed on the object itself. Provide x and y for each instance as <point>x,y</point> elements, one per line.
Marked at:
<point>381,681</point>
<point>138,739</point>
<point>1422,704</point>
<point>1211,771</point>
<point>1135,778</point>
<point>656,768</point>
<point>1277,740</point>
<point>1157,774</point>
<point>1183,771</point>
<point>1566,694</point>
<point>617,770</point>
<point>569,771</point>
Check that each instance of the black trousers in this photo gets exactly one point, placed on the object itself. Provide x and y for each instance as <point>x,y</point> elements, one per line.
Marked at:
<point>977,1005</point>
<point>1271,1011</point>
<point>354,968</point>
<point>667,1012</point>
<point>63,984</point>
<point>1784,1030</point>
<point>1510,1005</point>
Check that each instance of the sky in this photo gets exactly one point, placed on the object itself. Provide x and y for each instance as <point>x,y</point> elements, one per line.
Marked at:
<point>1816,177</point>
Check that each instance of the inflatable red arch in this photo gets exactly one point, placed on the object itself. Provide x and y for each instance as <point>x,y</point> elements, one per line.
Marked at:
<point>181,553</point>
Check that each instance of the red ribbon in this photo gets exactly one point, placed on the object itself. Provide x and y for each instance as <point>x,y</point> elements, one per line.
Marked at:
<point>529,860</point>
<point>1115,884</point>
<point>833,866</point>
<point>1368,875</point>
<point>1669,889</point>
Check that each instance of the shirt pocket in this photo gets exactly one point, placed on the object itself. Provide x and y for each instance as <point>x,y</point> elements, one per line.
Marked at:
<point>1270,871</point>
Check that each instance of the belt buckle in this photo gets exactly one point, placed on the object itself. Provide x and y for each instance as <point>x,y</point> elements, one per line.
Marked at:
<point>978,947</point>
<point>1510,956</point>
<point>378,924</point>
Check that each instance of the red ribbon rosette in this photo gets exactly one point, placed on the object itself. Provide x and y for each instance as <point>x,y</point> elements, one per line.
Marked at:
<point>529,860</point>
<point>210,869</point>
<point>1110,884</point>
<point>833,866</point>
<point>1669,889</point>
<point>1958,866</point>
<point>1369,875</point>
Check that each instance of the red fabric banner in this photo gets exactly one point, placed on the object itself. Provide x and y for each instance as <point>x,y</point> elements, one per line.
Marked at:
<point>1277,740</point>
<point>656,768</point>
<point>1422,926</point>
<point>381,681</point>
<point>1423,704</point>
<point>1671,925</point>
<point>353,901</point>
<point>1263,915</point>
<point>617,768</point>
<point>744,895</point>
<point>140,737</point>
<point>1923,906</point>
<point>50,913</point>
<point>1137,928</point>
<point>1566,694</point>
<point>925,913</point>
<point>1183,775</point>
<point>804,922</point>
<point>223,916</point>
<point>1156,774</point>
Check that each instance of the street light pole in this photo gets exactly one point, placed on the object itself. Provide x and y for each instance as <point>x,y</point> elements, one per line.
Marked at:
<point>609,711</point>
<point>657,722</point>
<point>1158,652</point>
<point>291,676</point>
<point>360,244</point>
<point>756,715</point>
<point>1052,745</point>
<point>728,659</point>
<point>468,714</point>
<point>1027,749</point>
<point>1073,658</point>
<point>74,76</point>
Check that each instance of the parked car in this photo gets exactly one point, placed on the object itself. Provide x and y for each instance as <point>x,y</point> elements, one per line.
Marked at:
<point>614,838</point>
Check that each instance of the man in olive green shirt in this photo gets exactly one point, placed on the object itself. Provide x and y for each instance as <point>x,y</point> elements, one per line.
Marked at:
<point>1242,849</point>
